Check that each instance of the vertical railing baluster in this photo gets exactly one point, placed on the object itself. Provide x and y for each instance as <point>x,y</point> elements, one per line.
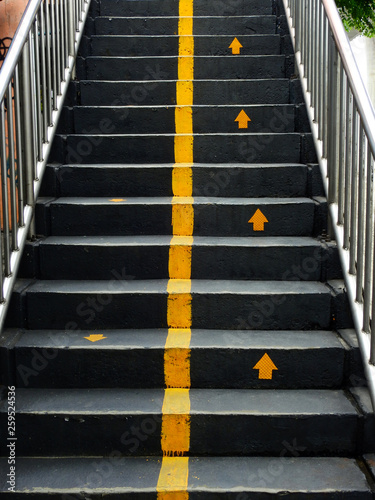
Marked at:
<point>4,189</point>
<point>361,216</point>
<point>20,163</point>
<point>354,193</point>
<point>53,49</point>
<point>42,58</point>
<point>12,169</point>
<point>58,45</point>
<point>332,123</point>
<point>49,62</point>
<point>38,93</point>
<point>325,88</point>
<point>348,166</point>
<point>369,244</point>
<point>341,156</point>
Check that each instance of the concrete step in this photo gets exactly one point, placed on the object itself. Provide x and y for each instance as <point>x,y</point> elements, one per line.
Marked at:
<point>161,119</point>
<point>218,304</point>
<point>167,45</point>
<point>214,67</point>
<point>135,359</point>
<point>232,148</point>
<point>162,92</point>
<point>152,216</point>
<point>233,180</point>
<point>146,257</point>
<point>233,478</point>
<point>147,8</point>
<point>94,422</point>
<point>168,25</point>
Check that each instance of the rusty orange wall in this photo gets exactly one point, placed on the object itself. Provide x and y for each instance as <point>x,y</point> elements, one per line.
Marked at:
<point>10,15</point>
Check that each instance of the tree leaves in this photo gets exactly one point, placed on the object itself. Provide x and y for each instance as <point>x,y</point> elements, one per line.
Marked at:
<point>359,15</point>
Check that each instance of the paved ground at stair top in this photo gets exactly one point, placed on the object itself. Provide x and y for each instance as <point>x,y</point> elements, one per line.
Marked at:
<point>180,328</point>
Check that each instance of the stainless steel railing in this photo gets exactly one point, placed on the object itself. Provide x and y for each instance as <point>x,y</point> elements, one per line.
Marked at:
<point>33,82</point>
<point>343,123</point>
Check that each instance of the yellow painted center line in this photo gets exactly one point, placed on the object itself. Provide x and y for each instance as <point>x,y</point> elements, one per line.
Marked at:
<point>173,479</point>
<point>175,432</point>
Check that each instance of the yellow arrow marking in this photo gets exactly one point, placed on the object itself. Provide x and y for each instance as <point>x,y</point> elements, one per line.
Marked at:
<point>243,120</point>
<point>236,47</point>
<point>258,220</point>
<point>117,200</point>
<point>265,366</point>
<point>96,337</point>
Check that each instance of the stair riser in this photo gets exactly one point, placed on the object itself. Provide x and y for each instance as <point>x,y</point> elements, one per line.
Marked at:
<point>170,8</point>
<point>151,262</point>
<point>254,148</point>
<point>209,368</point>
<point>163,93</point>
<point>145,120</point>
<point>231,181</point>
<point>292,219</point>
<point>202,26</point>
<point>166,68</point>
<point>100,434</point>
<point>168,46</point>
<point>209,310</point>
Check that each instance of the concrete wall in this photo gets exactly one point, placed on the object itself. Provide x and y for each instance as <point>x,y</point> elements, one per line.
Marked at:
<point>364,51</point>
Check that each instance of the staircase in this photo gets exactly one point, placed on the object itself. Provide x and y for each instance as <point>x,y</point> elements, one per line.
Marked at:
<point>180,327</point>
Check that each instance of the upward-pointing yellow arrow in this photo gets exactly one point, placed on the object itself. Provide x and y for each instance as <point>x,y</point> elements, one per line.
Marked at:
<point>236,47</point>
<point>258,220</point>
<point>265,366</point>
<point>243,120</point>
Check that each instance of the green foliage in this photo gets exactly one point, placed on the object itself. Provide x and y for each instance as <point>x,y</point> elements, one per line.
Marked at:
<point>359,15</point>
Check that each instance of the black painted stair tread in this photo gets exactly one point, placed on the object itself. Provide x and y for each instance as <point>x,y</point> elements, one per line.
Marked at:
<point>219,304</point>
<point>146,257</point>
<point>157,45</point>
<point>161,119</point>
<point>135,358</point>
<point>215,67</point>
<point>236,179</point>
<point>203,401</point>
<point>197,286</point>
<point>212,216</point>
<point>208,148</point>
<point>248,91</point>
<point>244,422</point>
<point>168,25</point>
<point>225,477</point>
<point>201,7</point>
<point>200,339</point>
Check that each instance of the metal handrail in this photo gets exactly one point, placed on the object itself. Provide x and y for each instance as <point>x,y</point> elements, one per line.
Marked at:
<point>342,119</point>
<point>34,80</point>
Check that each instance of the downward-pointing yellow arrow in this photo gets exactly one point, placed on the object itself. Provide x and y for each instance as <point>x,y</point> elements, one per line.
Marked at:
<point>265,366</point>
<point>258,220</point>
<point>95,337</point>
<point>236,47</point>
<point>243,120</point>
